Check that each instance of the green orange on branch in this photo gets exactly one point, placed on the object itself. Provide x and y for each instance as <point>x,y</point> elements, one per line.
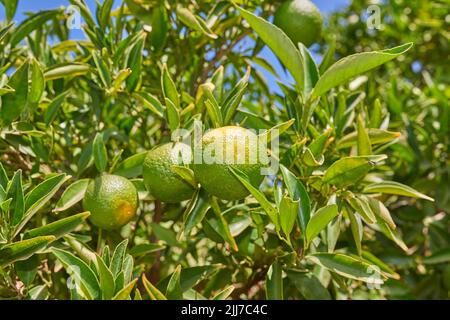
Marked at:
<point>227,147</point>
<point>300,20</point>
<point>160,178</point>
<point>112,201</point>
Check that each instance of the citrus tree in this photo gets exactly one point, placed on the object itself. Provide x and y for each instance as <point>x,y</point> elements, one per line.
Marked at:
<point>152,160</point>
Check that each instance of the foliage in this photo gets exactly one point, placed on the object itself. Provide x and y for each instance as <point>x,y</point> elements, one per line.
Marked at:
<point>349,214</point>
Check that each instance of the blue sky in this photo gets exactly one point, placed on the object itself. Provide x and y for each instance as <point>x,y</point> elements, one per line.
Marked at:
<point>325,6</point>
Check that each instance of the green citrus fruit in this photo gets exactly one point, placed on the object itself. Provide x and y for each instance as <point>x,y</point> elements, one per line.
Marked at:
<point>300,20</point>
<point>160,179</point>
<point>112,201</point>
<point>227,147</point>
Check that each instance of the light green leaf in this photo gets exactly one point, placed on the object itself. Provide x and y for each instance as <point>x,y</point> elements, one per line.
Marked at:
<point>320,220</point>
<point>82,274</point>
<point>260,197</point>
<point>281,45</point>
<point>169,88</point>
<point>364,146</point>
<point>174,291</point>
<point>72,195</point>
<point>297,191</point>
<point>152,291</point>
<point>288,213</point>
<point>349,170</point>
<point>64,70</point>
<point>353,65</point>
<point>22,250</point>
<point>274,282</point>
<point>376,136</point>
<point>347,266</point>
<point>392,187</point>
<point>194,21</point>
<point>58,228</point>
<point>52,109</point>
<point>99,152</point>
<point>106,278</point>
<point>131,167</point>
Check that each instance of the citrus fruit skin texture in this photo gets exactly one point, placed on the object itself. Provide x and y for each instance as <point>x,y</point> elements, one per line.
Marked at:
<point>216,178</point>
<point>112,201</point>
<point>300,20</point>
<point>160,179</point>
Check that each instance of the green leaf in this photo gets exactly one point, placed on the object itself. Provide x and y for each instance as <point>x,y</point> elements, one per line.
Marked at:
<point>380,210</point>
<point>173,115</point>
<point>347,266</point>
<point>10,8</point>
<point>150,102</point>
<point>68,69</point>
<point>124,294</point>
<point>106,278</point>
<point>376,136</point>
<point>308,285</point>
<point>364,146</point>
<point>320,220</point>
<point>52,109</point>
<point>134,63</point>
<point>37,84</point>
<point>104,13</point>
<point>348,170</point>
<point>274,282</point>
<point>102,69</point>
<point>174,291</point>
<point>15,192</point>
<point>72,195</point>
<point>30,24</point>
<point>275,131</point>
<point>194,21</point>
<point>152,291</point>
<point>311,72</point>
<point>357,230</point>
<point>3,177</point>
<point>362,206</point>
<point>190,277</point>
<point>281,45</point>
<point>39,196</point>
<point>118,257</point>
<point>22,250</point>
<point>353,65</point>
<point>288,213</point>
<point>82,274</point>
<point>131,167</point>
<point>392,187</point>
<point>297,191</point>
<point>394,235</point>
<point>260,197</point>
<point>39,293</point>
<point>99,152</point>
<point>58,228</point>
<point>169,88</point>
<point>224,294</point>
<point>160,28</point>
<point>195,212</point>
<point>234,98</point>
<point>14,103</point>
